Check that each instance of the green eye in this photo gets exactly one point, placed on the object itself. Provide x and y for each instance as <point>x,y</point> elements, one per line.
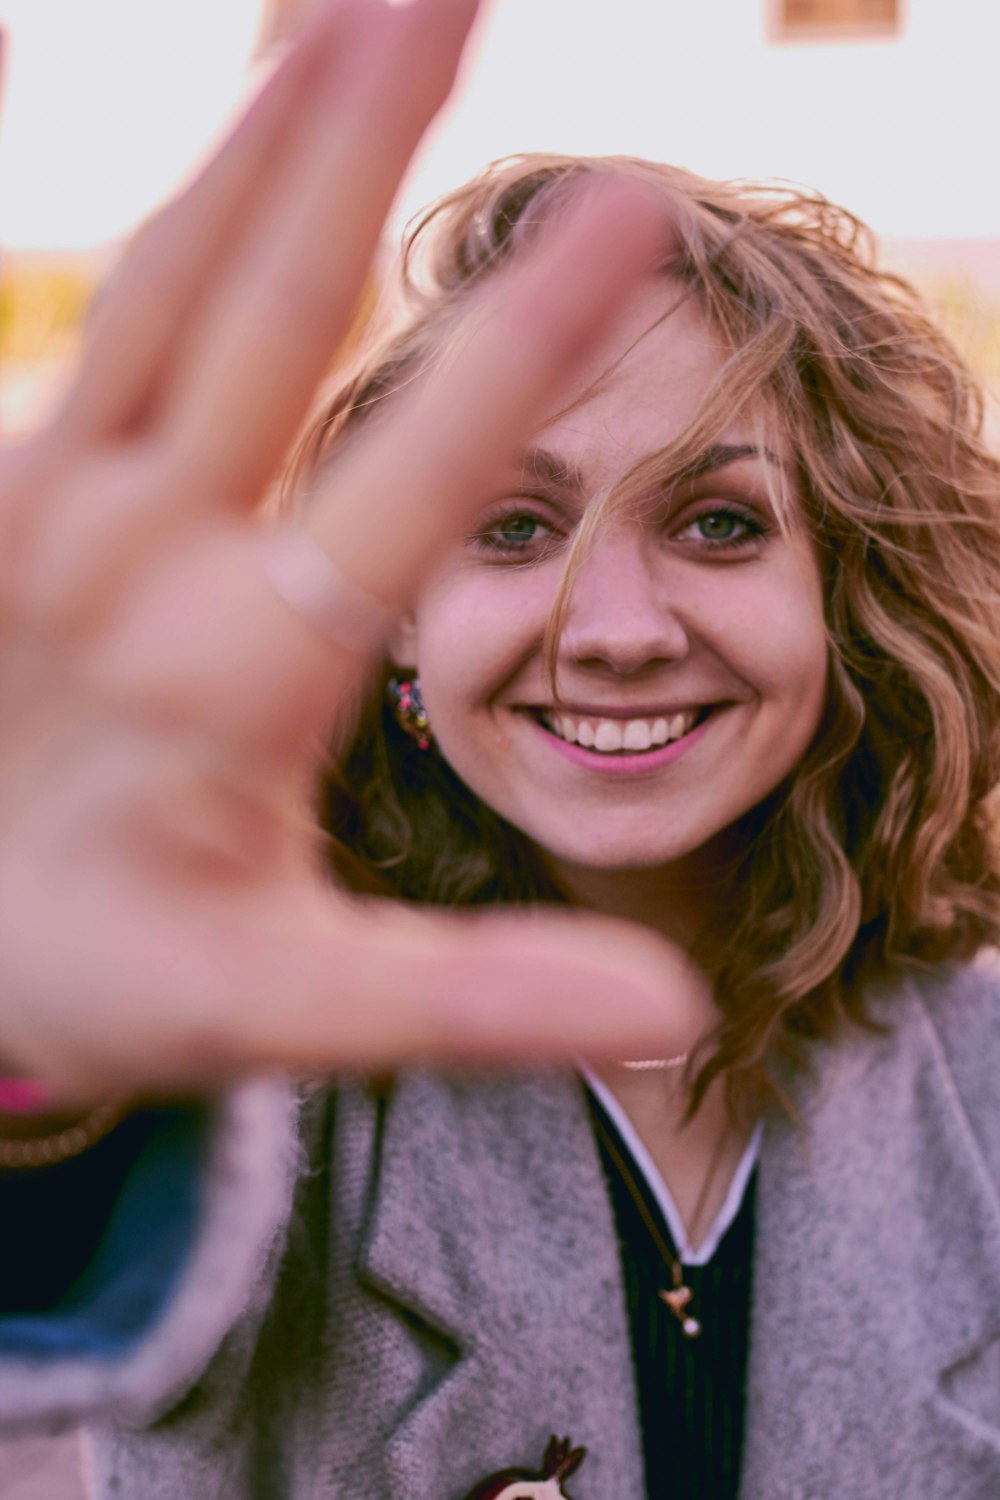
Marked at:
<point>514,529</point>
<point>719,525</point>
<point>515,535</point>
<point>728,529</point>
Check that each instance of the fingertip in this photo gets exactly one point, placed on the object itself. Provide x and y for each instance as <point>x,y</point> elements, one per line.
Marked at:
<point>434,34</point>
<point>561,986</point>
<point>623,220</point>
<point>593,251</point>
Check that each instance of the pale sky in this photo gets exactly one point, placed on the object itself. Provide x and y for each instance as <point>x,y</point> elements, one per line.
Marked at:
<point>110,101</point>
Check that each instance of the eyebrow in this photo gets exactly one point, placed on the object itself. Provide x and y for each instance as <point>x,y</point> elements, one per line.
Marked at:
<point>721,454</point>
<point>547,468</point>
<point>562,474</point>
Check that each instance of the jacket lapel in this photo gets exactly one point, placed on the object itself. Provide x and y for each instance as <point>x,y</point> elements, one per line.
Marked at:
<point>875,1338</point>
<point>876,1317</point>
<point>490,1226</point>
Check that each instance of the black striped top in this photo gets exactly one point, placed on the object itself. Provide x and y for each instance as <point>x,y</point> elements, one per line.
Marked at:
<point>691,1391</point>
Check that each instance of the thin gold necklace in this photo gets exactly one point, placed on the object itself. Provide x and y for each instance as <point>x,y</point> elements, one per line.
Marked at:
<point>679,1295</point>
<point>653,1064</point>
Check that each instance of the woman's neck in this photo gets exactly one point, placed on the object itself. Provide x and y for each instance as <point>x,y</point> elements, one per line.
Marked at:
<point>691,904</point>
<point>686,902</point>
<point>697,1158</point>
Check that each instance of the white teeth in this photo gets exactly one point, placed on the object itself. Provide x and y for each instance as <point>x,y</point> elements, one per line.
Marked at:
<point>638,735</point>
<point>608,736</point>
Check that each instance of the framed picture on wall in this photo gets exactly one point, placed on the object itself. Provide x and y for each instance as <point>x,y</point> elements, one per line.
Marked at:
<point>834,20</point>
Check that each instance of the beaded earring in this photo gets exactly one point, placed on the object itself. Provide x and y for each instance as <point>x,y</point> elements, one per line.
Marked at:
<point>403,696</point>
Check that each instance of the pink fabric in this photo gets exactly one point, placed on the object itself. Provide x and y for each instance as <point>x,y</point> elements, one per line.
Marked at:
<point>24,1096</point>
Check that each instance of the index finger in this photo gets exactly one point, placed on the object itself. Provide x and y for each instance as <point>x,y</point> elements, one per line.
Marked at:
<point>419,476</point>
<point>443,438</point>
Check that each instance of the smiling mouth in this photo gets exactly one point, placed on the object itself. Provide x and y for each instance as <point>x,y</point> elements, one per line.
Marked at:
<point>622,736</point>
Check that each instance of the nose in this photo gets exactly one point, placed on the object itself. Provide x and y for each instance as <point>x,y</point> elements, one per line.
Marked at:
<point>621,618</point>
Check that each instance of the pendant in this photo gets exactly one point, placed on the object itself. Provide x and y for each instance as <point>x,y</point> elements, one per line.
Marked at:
<point>677,1300</point>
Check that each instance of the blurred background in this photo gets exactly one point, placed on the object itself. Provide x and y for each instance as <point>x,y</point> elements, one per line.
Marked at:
<point>885,105</point>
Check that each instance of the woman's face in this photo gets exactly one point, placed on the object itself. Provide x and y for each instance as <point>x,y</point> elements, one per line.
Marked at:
<point>692,669</point>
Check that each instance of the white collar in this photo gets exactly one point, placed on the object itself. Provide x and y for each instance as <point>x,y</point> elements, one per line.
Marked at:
<point>658,1187</point>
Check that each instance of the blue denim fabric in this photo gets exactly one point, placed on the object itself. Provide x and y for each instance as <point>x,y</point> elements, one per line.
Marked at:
<point>139,1254</point>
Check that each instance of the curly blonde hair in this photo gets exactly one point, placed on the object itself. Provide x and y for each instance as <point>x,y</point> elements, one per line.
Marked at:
<point>880,850</point>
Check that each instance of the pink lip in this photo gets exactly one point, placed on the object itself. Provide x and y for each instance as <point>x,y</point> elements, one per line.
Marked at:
<point>625,765</point>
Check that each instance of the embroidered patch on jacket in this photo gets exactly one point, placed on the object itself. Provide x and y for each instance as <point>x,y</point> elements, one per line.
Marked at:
<point>559,1463</point>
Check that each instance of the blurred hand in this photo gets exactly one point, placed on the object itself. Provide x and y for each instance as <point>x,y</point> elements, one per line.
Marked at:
<point>164,918</point>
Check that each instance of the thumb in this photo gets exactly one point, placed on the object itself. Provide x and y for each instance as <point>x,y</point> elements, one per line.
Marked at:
<point>375,984</point>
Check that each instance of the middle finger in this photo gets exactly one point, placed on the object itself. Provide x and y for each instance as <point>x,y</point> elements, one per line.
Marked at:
<point>262,346</point>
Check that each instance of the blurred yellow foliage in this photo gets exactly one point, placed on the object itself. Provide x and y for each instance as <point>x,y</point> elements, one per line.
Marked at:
<point>42,307</point>
<point>970,313</point>
<point>44,301</point>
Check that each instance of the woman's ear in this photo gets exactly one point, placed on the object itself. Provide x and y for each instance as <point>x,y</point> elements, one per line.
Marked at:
<point>402,642</point>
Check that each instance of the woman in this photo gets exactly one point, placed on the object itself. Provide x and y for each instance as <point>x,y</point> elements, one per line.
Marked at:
<point>721,657</point>
<point>718,654</point>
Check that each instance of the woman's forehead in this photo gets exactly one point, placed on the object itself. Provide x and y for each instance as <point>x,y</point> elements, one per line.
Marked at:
<point>643,387</point>
<point>661,334</point>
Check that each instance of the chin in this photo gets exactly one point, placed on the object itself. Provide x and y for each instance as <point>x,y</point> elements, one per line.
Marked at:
<point>634,852</point>
<point>625,859</point>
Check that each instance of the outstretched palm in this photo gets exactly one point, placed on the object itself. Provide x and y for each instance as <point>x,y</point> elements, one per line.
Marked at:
<point>163,917</point>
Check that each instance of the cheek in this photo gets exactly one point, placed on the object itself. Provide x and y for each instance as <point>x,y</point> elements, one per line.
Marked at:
<point>777,642</point>
<point>793,659</point>
<point>472,637</point>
